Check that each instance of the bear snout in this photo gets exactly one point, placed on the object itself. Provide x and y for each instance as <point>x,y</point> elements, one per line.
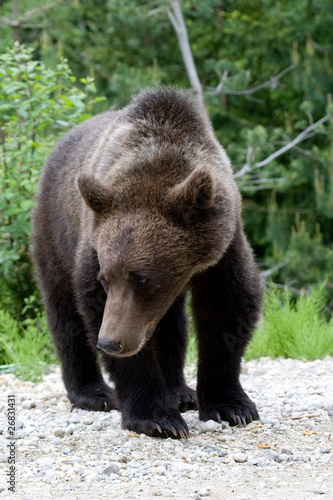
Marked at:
<point>109,346</point>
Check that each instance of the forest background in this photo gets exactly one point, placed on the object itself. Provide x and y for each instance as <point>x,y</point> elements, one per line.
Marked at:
<point>264,69</point>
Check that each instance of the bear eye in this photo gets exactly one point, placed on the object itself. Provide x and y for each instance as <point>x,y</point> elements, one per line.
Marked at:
<point>139,281</point>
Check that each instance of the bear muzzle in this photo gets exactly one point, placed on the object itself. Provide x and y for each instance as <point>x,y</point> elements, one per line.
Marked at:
<point>109,346</point>
<point>125,327</point>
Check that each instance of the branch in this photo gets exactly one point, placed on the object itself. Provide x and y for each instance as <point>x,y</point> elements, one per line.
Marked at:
<point>178,23</point>
<point>18,23</point>
<point>35,26</point>
<point>272,83</point>
<point>268,272</point>
<point>306,134</point>
<point>37,12</point>
<point>280,286</point>
<point>6,21</point>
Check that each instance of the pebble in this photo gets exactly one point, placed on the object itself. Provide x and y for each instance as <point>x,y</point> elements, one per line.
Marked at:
<point>97,426</point>
<point>180,467</point>
<point>261,486</point>
<point>203,492</point>
<point>64,407</point>
<point>27,405</point>
<point>66,449</point>
<point>210,426</point>
<point>111,469</point>
<point>240,458</point>
<point>60,432</point>
<point>271,455</point>
<point>45,461</point>
<point>285,451</point>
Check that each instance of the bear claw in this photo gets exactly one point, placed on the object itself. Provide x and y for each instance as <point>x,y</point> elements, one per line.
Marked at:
<point>168,426</point>
<point>237,411</point>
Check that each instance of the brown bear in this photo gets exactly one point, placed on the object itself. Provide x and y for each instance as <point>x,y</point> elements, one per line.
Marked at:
<point>135,208</point>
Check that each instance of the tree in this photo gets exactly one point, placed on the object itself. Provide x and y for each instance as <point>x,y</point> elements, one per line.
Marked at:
<point>37,104</point>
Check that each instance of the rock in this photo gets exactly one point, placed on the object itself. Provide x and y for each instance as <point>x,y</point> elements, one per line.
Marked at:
<point>203,492</point>
<point>3,458</point>
<point>49,475</point>
<point>268,420</point>
<point>111,469</point>
<point>222,453</point>
<point>270,455</point>
<point>325,449</point>
<point>261,486</point>
<point>283,458</point>
<point>28,404</point>
<point>240,457</point>
<point>161,470</point>
<point>60,432</point>
<point>97,426</point>
<point>180,467</point>
<point>48,461</point>
<point>285,451</point>
<point>129,445</point>
<point>64,407</point>
<point>210,426</point>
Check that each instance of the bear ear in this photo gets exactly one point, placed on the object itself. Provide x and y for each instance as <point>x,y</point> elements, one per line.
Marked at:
<point>96,195</point>
<point>195,194</point>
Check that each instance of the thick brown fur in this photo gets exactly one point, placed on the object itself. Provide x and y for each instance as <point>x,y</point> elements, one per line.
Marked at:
<point>135,208</point>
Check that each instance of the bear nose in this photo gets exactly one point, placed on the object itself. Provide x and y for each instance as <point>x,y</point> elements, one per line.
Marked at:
<point>109,346</point>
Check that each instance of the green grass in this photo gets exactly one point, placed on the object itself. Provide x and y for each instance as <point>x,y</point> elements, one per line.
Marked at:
<point>291,329</point>
<point>25,349</point>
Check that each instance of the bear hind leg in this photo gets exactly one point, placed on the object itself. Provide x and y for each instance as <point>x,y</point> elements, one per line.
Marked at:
<point>170,339</point>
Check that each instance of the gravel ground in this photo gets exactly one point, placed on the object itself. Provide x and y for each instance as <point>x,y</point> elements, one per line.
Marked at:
<point>79,454</point>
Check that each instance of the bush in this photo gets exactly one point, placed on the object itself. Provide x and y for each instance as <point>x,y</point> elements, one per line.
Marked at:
<point>37,105</point>
<point>292,329</point>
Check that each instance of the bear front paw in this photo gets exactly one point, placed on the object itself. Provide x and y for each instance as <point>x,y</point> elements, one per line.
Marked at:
<point>169,425</point>
<point>94,397</point>
<point>237,410</point>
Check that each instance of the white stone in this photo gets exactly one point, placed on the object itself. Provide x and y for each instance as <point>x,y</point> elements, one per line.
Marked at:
<point>270,455</point>
<point>64,407</point>
<point>59,432</point>
<point>203,492</point>
<point>210,426</point>
<point>240,457</point>
<point>261,486</point>
<point>48,461</point>
<point>97,426</point>
<point>28,404</point>
<point>180,467</point>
